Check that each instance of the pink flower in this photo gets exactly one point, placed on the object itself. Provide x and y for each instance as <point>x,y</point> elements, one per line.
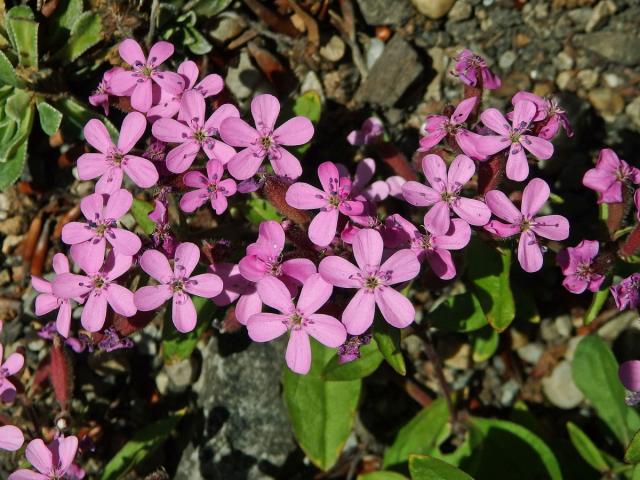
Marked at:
<point>553,227</point>
<point>549,112</point>
<point>264,141</point>
<point>53,462</point>
<point>627,292</point>
<point>469,65</point>
<point>514,138</point>
<point>429,246</point>
<point>89,240</point>
<point>377,191</point>
<point>176,283</point>
<point>438,127</point>
<point>577,266</point>
<point>169,103</point>
<point>211,188</point>
<point>609,176</point>
<point>12,365</point>
<point>373,282</point>
<point>196,135</point>
<point>11,438</point>
<point>300,320</point>
<point>97,288</point>
<point>444,193</point>
<point>236,287</point>
<point>100,98</point>
<point>144,73</point>
<point>113,160</point>
<point>333,199</point>
<point>371,130</point>
<point>47,302</point>
<point>629,374</point>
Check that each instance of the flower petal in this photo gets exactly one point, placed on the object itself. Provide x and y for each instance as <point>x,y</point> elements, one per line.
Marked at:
<point>193,107</point>
<point>185,259</point>
<point>472,211</point>
<point>133,127</point>
<point>340,272</point>
<point>275,294</point>
<point>141,171</point>
<point>517,166</point>
<point>438,218</point>
<point>329,177</point>
<point>326,329</point>
<point>358,314</point>
<point>629,374</point>
<point>441,263</point>
<point>76,232</point>
<point>169,81</point>
<point>193,200</point>
<point>118,203</point>
<point>539,147</point>
<point>183,313</point>
<point>529,253</point>
<point>63,319</point>
<point>265,110</point>
<point>400,267</point>
<point>151,297</point>
<point>295,131</point>
<point>70,285</point>
<point>123,241</point>
<point>97,135</point>
<point>553,227</point>
<point>523,113</point>
<point>306,197</point>
<point>11,438</point>
<point>420,195</point>
<point>456,238</point>
<point>94,312</point>
<point>39,456</point>
<point>502,230</point>
<point>396,309</point>
<point>493,119</point>
<point>463,110</point>
<point>160,51</point>
<point>502,207</point>
<point>315,292</point>
<point>248,305</point>
<point>121,300</point>
<point>285,164</point>
<point>13,363</point>
<point>298,268</point>
<point>244,164</point>
<point>180,158</point>
<point>322,228</point>
<point>67,449</point>
<point>156,265</point>
<point>298,355</point>
<point>264,327</point>
<point>110,181</point>
<point>237,133</point>
<point>367,249</point>
<point>460,172</point>
<point>92,165</point>
<point>435,170</point>
<point>131,52</point>
<point>142,96</point>
<point>206,285</point>
<point>534,195</point>
<point>170,130</point>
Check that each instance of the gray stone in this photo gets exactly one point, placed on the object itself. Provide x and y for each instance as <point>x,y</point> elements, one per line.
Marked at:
<point>462,10</point>
<point>334,49</point>
<point>244,79</point>
<point>633,112</point>
<point>246,433</point>
<point>600,13</point>
<point>614,46</point>
<point>433,8</point>
<point>180,375</point>
<point>507,59</point>
<point>227,26</point>
<point>378,12</point>
<point>560,389</point>
<point>531,353</point>
<point>396,69</point>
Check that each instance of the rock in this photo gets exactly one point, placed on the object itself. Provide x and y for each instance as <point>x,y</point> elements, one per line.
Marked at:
<point>245,431</point>
<point>563,61</point>
<point>612,80</point>
<point>507,59</point>
<point>566,81</point>
<point>560,389</point>
<point>433,8</point>
<point>610,330</point>
<point>180,375</point>
<point>633,112</point>
<point>580,17</point>
<point>13,225</point>
<point>334,49</point>
<point>311,82</point>
<point>244,79</point>
<point>372,51</point>
<point>563,326</point>
<point>227,27</point>
<point>396,69</point>
<point>460,11</point>
<point>588,78</point>
<point>531,353</point>
<point>600,13</point>
<point>378,12</point>
<point>607,102</point>
<point>617,47</point>
<point>461,358</point>
<point>508,392</point>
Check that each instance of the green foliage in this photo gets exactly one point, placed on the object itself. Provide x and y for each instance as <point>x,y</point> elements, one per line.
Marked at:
<point>586,448</point>
<point>387,339</point>
<point>50,118</point>
<point>23,34</point>
<point>209,8</point>
<point>420,435</point>
<point>425,467</point>
<point>485,343</point>
<point>7,72</point>
<point>141,446</point>
<point>140,211</point>
<point>85,33</point>
<point>11,170</point>
<point>382,475</point>
<point>260,210</point>
<point>597,302</point>
<point>489,273</point>
<point>632,454</point>
<point>322,411</point>
<point>370,359</point>
<point>309,105</point>
<point>177,346</point>
<point>459,313</point>
<point>595,372</point>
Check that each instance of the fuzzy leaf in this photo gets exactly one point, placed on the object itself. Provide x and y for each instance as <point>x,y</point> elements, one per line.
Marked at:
<point>586,448</point>
<point>210,8</point>
<point>85,33</point>
<point>322,412</point>
<point>23,33</point>
<point>370,359</point>
<point>632,454</point>
<point>76,115</point>
<point>388,340</point>
<point>595,372</point>
<point>62,21</point>
<point>17,104</point>
<point>459,313</point>
<point>7,72</point>
<point>425,467</point>
<point>197,43</point>
<point>50,118</point>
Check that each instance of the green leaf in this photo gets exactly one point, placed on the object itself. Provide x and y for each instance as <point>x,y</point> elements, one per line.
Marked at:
<point>585,447</point>
<point>597,302</point>
<point>50,118</point>
<point>388,340</point>
<point>459,313</point>
<point>17,104</point>
<point>382,475</point>
<point>7,72</point>
<point>425,467</point>
<point>177,346</point>
<point>210,8</point>
<point>500,446</point>
<point>369,361</point>
<point>85,33</point>
<point>632,454</point>
<point>62,21</point>
<point>141,446</point>
<point>420,435</point>
<point>488,270</point>
<point>11,170</point>
<point>197,43</point>
<point>595,372</point>
<point>140,211</point>
<point>23,33</point>
<point>261,210</point>
<point>485,343</point>
<point>322,412</point>
<point>76,115</point>
<point>309,105</point>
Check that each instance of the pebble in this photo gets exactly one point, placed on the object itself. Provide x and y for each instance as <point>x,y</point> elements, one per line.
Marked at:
<point>563,61</point>
<point>617,47</point>
<point>244,79</point>
<point>227,27</point>
<point>531,353</point>
<point>334,49</point>
<point>607,102</point>
<point>563,326</point>
<point>612,80</point>
<point>10,243</point>
<point>560,389</point>
<point>180,375</point>
<point>588,78</point>
<point>599,15</point>
<point>633,112</point>
<point>373,50</point>
<point>610,330</point>
<point>462,10</point>
<point>378,12</point>
<point>13,225</point>
<point>507,59</point>
<point>508,392</point>
<point>433,8</point>
<point>311,82</point>
<point>566,80</point>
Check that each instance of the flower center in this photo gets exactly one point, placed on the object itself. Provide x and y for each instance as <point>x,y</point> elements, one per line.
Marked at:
<point>448,196</point>
<point>584,271</point>
<point>296,319</point>
<point>525,224</point>
<point>334,201</point>
<point>274,268</point>
<point>372,282</point>
<point>266,142</point>
<point>177,285</point>
<point>99,282</point>
<point>199,135</point>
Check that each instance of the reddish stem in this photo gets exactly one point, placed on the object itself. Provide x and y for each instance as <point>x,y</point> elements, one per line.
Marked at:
<point>61,373</point>
<point>275,190</point>
<point>632,243</point>
<point>398,162</point>
<point>490,173</point>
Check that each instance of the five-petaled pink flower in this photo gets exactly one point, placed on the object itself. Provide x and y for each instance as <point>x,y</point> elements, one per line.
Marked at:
<point>627,292</point>
<point>609,175</point>
<point>114,161</point>
<point>97,288</point>
<point>434,248</point>
<point>524,222</point>
<point>549,112</point>
<point>438,127</point>
<point>469,66</point>
<point>11,438</point>
<point>577,265</point>
<point>373,282</point>
<point>89,240</point>
<point>139,81</point>
<point>513,137</point>
<point>300,319</point>
<point>210,187</point>
<point>333,199</point>
<point>46,301</point>
<point>264,259</point>
<point>10,366</point>
<point>169,103</point>
<point>265,141</point>
<point>236,287</point>
<point>371,130</point>
<point>100,98</point>
<point>53,462</point>
<point>196,135</point>
<point>177,283</point>
<point>444,193</point>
